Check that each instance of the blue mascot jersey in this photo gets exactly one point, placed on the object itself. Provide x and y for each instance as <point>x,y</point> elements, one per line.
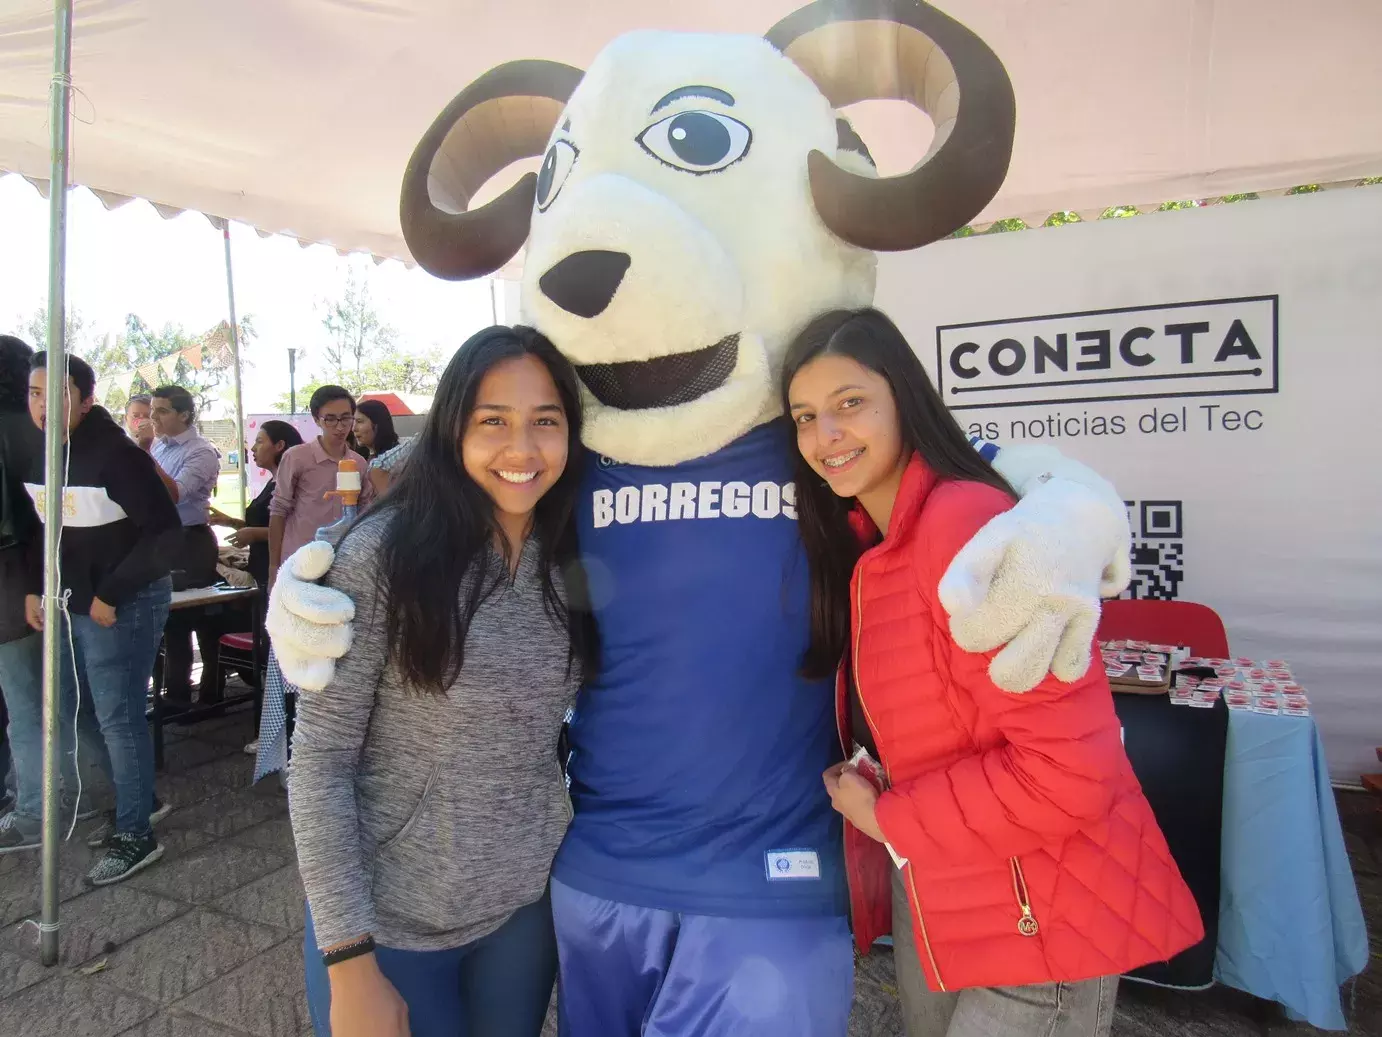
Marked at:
<point>697,752</point>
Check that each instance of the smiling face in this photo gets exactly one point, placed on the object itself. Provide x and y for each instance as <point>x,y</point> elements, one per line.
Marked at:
<point>515,441</point>
<point>847,426</point>
<point>674,246</point>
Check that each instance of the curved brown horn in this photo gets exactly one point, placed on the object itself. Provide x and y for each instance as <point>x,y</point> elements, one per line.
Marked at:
<point>859,50</point>
<point>505,115</point>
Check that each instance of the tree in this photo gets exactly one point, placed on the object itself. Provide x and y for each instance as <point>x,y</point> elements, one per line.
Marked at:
<point>139,345</point>
<point>36,330</point>
<point>404,373</point>
<point>357,333</point>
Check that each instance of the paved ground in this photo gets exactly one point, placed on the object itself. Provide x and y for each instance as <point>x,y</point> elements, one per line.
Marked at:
<point>208,942</point>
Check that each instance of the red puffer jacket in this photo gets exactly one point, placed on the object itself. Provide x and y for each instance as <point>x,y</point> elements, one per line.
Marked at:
<point>1033,855</point>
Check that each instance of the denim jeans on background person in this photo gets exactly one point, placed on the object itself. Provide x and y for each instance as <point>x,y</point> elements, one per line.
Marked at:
<point>21,678</point>
<point>118,662</point>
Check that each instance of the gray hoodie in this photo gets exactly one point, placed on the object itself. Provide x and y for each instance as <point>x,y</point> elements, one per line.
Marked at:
<point>426,819</point>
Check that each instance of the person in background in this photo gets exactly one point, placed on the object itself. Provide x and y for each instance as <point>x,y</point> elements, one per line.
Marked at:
<point>386,466</point>
<point>374,431</point>
<point>1031,872</point>
<point>299,507</point>
<point>189,466</point>
<point>467,652</point>
<point>116,545</point>
<point>271,442</point>
<point>306,473</point>
<point>376,437</point>
<point>137,422</point>
<point>21,649</point>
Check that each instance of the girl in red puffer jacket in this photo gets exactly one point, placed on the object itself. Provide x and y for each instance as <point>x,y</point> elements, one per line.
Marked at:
<point>1031,872</point>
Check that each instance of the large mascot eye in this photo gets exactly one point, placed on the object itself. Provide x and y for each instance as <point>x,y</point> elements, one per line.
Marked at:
<point>556,167</point>
<point>697,142</point>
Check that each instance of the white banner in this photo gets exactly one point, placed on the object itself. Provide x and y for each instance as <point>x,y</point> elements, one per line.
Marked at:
<point>258,477</point>
<point>1223,367</point>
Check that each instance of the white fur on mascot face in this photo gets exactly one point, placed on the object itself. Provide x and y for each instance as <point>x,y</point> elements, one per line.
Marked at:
<point>702,191</point>
<point>701,200</point>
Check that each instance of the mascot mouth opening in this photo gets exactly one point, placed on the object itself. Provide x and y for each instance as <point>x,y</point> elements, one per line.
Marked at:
<point>664,381</point>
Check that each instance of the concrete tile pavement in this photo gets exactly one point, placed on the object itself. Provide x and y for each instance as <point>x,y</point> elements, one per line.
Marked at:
<point>208,943</point>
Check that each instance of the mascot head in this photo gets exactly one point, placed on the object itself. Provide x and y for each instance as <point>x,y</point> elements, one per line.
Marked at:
<point>701,198</point>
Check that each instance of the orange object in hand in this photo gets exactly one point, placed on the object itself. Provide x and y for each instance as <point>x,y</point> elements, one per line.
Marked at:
<point>347,482</point>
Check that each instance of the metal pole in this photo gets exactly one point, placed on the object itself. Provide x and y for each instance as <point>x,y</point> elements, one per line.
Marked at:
<point>54,434</point>
<point>292,380</point>
<point>235,347</point>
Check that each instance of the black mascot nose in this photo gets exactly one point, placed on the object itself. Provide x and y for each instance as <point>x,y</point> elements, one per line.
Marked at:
<point>584,282</point>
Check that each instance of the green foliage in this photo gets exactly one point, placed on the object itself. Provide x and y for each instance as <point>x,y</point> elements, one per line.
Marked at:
<point>357,333</point>
<point>1004,226</point>
<point>35,331</point>
<point>1119,212</point>
<point>1062,219</point>
<point>1304,189</point>
<point>396,372</point>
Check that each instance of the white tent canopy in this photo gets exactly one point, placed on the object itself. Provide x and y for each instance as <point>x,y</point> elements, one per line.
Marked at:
<point>298,116</point>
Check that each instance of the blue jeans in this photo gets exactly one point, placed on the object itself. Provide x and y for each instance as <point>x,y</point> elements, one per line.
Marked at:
<point>21,679</point>
<point>118,662</point>
<point>631,971</point>
<point>498,986</point>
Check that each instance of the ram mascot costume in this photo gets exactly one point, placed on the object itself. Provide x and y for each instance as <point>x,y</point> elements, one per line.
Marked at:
<point>700,199</point>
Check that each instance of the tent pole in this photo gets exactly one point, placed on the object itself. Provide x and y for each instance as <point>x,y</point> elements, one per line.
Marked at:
<point>242,449</point>
<point>54,623</point>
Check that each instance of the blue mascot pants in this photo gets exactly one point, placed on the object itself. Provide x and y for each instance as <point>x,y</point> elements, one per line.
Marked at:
<point>498,986</point>
<point>638,972</point>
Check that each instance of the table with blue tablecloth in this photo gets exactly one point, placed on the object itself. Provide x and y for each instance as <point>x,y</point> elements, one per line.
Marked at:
<point>1260,837</point>
<point>1290,924</point>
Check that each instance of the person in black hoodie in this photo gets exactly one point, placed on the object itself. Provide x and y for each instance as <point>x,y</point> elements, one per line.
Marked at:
<point>120,527</point>
<point>21,650</point>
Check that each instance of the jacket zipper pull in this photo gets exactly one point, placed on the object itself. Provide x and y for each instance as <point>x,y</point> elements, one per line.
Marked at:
<point>1027,924</point>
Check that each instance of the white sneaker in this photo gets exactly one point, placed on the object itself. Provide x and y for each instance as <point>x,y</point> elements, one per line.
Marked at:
<point>253,748</point>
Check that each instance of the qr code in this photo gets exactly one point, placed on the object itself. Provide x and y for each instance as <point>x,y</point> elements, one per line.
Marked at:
<point>1158,549</point>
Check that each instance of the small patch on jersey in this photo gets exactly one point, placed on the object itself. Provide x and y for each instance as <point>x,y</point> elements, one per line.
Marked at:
<point>792,864</point>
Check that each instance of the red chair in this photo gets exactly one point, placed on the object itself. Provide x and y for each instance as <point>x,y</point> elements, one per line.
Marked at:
<point>1188,623</point>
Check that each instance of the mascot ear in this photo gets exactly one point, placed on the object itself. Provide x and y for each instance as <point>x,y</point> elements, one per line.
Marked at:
<point>506,115</point>
<point>860,50</point>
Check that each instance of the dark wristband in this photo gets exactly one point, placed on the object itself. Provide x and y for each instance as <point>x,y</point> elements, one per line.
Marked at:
<point>358,949</point>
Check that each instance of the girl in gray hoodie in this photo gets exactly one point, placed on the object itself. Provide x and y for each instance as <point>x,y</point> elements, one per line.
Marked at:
<point>426,794</point>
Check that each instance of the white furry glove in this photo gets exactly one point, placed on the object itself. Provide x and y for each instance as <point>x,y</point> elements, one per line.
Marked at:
<point>309,624</point>
<point>1031,579</point>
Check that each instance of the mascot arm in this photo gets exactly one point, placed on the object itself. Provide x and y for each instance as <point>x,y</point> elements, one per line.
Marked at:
<point>308,623</point>
<point>1031,579</point>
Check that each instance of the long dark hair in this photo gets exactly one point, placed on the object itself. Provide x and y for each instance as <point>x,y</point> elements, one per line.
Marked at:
<point>281,432</point>
<point>928,430</point>
<point>434,563</point>
<point>385,438</point>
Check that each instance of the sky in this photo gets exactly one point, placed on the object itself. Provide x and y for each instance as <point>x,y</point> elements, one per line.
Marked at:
<point>132,260</point>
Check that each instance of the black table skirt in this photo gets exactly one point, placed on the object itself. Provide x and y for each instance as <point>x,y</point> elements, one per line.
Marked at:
<point>1177,753</point>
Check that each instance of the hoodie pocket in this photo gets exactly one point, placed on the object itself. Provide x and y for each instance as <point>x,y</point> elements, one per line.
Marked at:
<point>422,804</point>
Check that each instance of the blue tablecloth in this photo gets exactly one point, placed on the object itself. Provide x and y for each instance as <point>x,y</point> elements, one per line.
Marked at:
<point>1290,924</point>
